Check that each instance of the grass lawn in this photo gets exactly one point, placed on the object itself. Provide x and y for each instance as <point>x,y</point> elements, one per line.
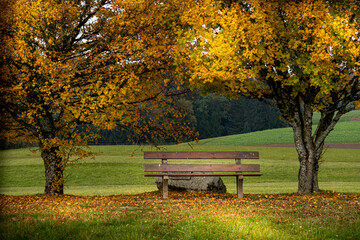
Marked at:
<point>325,215</point>
<point>344,132</point>
<point>348,117</point>
<point>109,198</point>
<point>119,170</point>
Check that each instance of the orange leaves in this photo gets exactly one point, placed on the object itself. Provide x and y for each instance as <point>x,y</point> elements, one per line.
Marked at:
<point>93,63</point>
<point>357,104</point>
<point>287,207</point>
<point>188,215</point>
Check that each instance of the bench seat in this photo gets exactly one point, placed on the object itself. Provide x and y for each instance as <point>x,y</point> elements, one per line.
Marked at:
<point>195,174</point>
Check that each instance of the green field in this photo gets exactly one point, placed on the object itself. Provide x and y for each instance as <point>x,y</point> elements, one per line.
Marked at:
<point>109,198</point>
<point>344,132</point>
<point>119,169</point>
<point>97,208</point>
<point>348,117</point>
<point>347,130</point>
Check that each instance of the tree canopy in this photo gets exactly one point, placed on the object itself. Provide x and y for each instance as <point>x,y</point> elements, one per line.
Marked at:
<point>301,56</point>
<point>69,63</point>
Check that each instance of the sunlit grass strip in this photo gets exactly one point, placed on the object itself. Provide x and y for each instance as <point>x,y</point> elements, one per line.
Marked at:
<point>249,188</point>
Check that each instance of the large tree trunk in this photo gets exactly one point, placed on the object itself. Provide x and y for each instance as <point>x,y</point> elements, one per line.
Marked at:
<point>51,155</point>
<point>308,151</point>
<point>310,145</point>
<point>308,172</point>
<point>54,169</point>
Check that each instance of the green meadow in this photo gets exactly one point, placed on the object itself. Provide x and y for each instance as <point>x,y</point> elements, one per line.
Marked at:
<point>119,169</point>
<point>345,131</point>
<point>109,198</point>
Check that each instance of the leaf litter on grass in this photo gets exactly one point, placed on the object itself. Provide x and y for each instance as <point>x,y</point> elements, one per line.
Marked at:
<point>315,210</point>
<point>327,202</point>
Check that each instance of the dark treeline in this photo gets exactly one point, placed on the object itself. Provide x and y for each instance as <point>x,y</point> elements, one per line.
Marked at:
<point>218,116</point>
<point>212,116</point>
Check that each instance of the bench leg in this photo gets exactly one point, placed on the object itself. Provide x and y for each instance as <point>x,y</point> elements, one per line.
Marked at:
<point>165,187</point>
<point>239,186</point>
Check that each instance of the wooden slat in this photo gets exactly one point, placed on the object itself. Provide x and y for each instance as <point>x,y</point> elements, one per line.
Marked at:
<point>199,174</point>
<point>201,167</point>
<point>201,155</point>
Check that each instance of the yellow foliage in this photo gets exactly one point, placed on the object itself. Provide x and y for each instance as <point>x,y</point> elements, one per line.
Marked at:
<point>291,48</point>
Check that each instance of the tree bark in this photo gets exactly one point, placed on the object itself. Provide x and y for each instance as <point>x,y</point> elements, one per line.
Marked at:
<point>308,151</point>
<point>308,172</point>
<point>51,155</point>
<point>54,169</point>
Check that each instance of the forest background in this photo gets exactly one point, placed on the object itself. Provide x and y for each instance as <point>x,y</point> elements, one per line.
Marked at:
<point>211,115</point>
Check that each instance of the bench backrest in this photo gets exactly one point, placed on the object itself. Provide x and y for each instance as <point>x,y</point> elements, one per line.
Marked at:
<point>201,167</point>
<point>201,155</point>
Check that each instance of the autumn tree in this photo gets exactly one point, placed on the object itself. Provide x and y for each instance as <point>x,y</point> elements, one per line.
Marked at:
<point>69,63</point>
<point>301,56</point>
<point>6,23</point>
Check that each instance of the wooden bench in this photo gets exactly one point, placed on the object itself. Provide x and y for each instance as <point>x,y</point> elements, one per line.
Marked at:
<point>166,170</point>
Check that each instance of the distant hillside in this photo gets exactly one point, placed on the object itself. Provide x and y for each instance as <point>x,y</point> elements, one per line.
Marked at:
<point>350,116</point>
<point>346,131</point>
